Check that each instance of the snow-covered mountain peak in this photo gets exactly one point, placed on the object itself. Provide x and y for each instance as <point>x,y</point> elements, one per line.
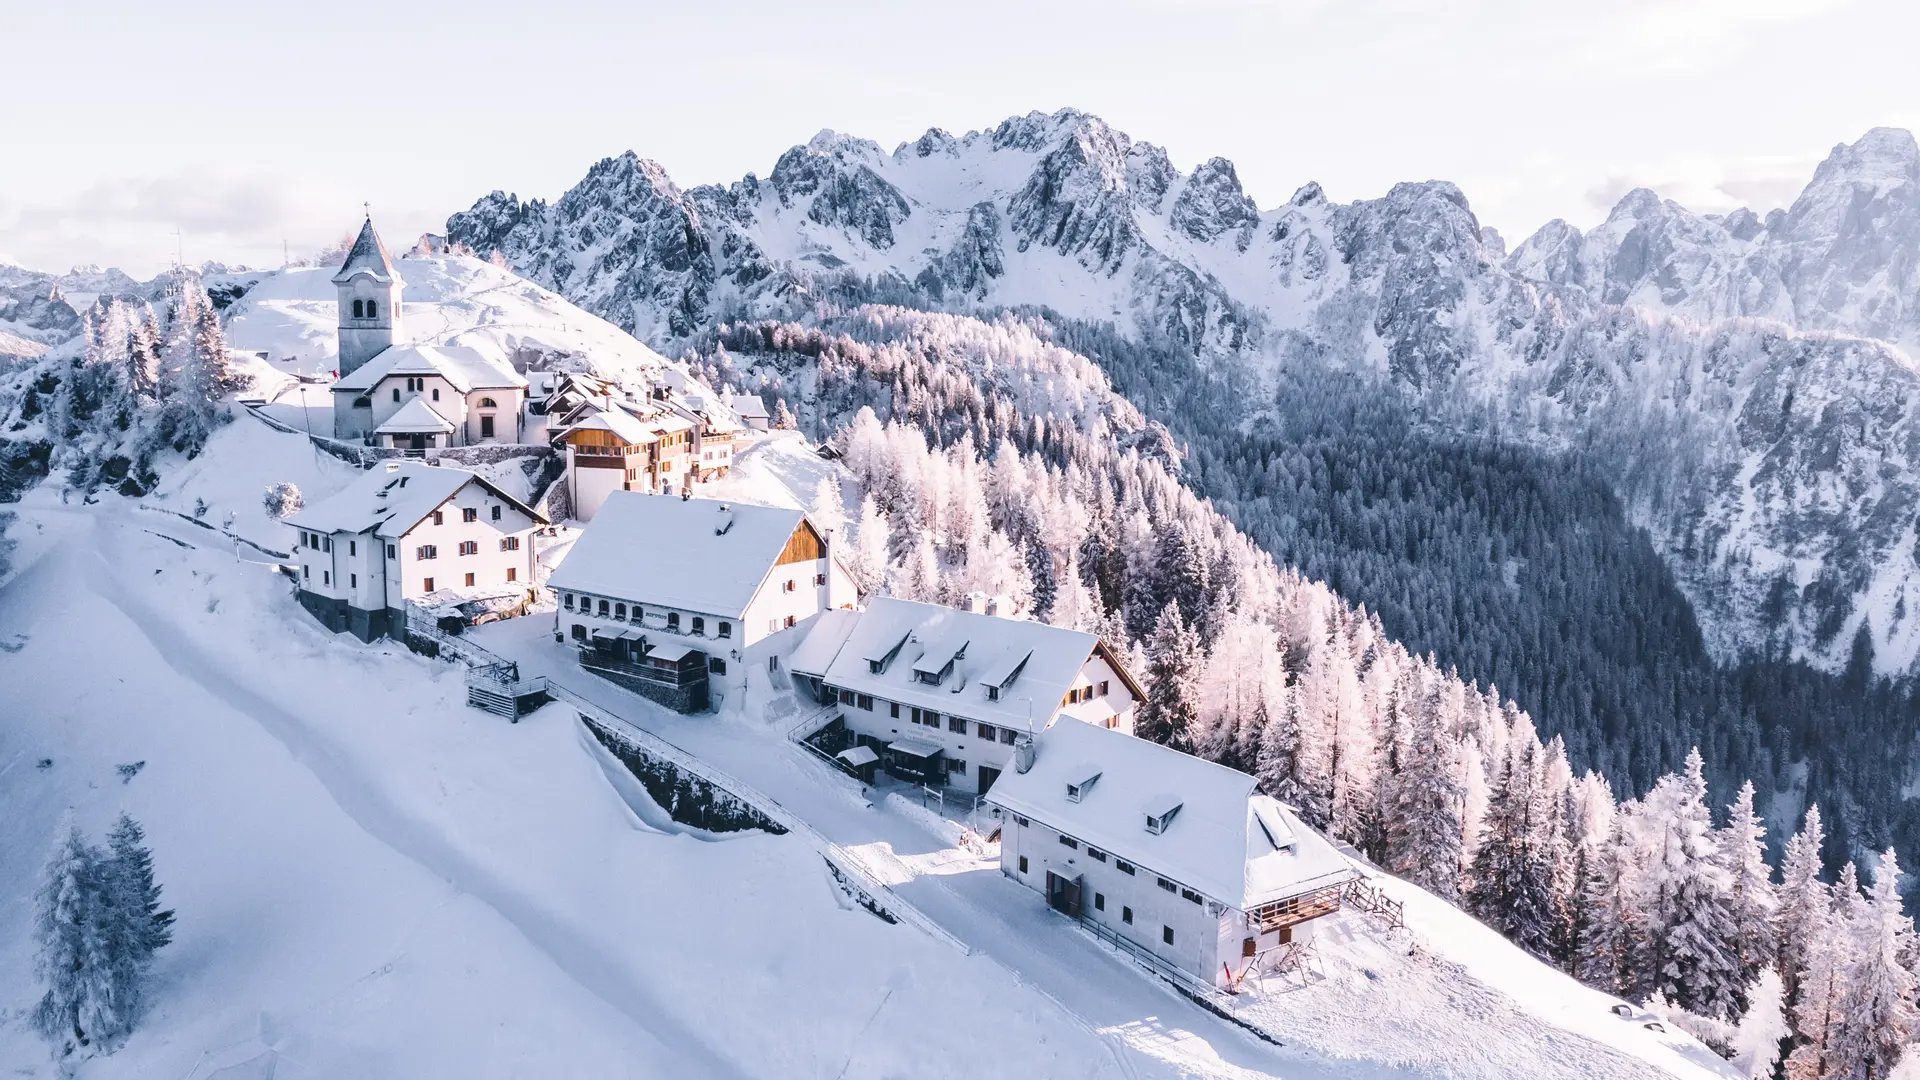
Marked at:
<point>1882,157</point>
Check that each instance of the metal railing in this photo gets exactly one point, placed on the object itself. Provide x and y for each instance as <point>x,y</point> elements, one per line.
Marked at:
<point>1186,980</point>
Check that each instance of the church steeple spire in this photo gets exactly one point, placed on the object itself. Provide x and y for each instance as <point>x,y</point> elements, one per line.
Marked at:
<point>368,289</point>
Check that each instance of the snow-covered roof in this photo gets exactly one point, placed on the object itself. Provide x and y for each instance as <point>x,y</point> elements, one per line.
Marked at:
<point>618,421</point>
<point>367,256</point>
<point>694,554</point>
<point>1225,841</point>
<point>750,407</point>
<point>394,497</point>
<point>823,641</point>
<point>465,367</point>
<point>415,416</point>
<point>907,638</point>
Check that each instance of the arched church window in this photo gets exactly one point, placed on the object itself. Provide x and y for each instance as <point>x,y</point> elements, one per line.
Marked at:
<point>373,309</point>
<point>356,310</point>
<point>487,403</point>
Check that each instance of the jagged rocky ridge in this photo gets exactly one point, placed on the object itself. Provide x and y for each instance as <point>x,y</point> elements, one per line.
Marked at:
<point>1748,381</point>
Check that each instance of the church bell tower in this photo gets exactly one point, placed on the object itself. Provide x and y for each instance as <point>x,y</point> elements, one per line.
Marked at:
<point>369,297</point>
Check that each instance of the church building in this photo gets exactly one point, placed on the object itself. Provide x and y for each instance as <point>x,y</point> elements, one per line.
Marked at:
<point>412,396</point>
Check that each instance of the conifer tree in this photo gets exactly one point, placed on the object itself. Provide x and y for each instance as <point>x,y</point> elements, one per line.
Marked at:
<point>868,564</point>
<point>1605,916</point>
<point>80,1010</point>
<point>829,511</point>
<point>1801,902</point>
<point>1819,1016</point>
<point>1743,852</point>
<point>1762,1028</point>
<point>1881,1017</point>
<point>1172,710</point>
<point>1423,825</point>
<point>1692,927</point>
<point>137,895</point>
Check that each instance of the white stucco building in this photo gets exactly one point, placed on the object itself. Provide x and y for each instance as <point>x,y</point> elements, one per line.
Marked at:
<point>946,695</point>
<point>1179,857</point>
<point>404,533</point>
<point>677,598</point>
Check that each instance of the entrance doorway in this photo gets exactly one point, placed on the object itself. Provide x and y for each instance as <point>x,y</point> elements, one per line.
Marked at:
<point>987,776</point>
<point>1063,894</point>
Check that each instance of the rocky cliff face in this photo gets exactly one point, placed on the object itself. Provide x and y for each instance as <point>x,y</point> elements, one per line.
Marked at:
<point>1750,380</point>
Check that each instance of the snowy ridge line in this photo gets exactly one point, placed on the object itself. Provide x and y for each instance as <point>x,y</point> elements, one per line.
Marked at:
<point>843,858</point>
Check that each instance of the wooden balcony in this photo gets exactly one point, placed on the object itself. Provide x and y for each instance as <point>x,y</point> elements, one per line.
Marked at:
<point>1295,910</point>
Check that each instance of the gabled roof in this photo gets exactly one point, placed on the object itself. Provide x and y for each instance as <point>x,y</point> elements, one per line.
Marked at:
<point>467,369</point>
<point>616,421</point>
<point>1225,841</point>
<point>928,635</point>
<point>749,406</point>
<point>394,497</point>
<point>415,416</point>
<point>367,256</point>
<point>693,554</point>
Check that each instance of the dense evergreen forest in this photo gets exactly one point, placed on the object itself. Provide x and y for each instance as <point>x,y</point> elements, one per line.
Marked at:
<point>1520,568</point>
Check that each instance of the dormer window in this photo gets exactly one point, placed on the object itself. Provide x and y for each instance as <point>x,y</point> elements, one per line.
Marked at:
<point>1077,789</point>
<point>1161,813</point>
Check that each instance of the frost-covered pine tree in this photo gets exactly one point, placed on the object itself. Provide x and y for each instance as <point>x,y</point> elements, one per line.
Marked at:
<point>1692,927</point>
<point>1881,1016</point>
<point>1743,851</point>
<point>1801,901</point>
<point>869,562</point>
<point>1171,713</point>
<point>282,499</point>
<point>1518,879</point>
<point>782,416</point>
<point>1819,1018</point>
<point>1074,605</point>
<point>81,1010</point>
<point>829,511</point>
<point>1762,1028</point>
<point>919,577</point>
<point>1423,826</point>
<point>1607,915</point>
<point>135,893</point>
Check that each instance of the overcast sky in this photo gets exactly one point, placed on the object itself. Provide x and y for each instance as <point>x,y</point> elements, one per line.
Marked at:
<point>246,125</point>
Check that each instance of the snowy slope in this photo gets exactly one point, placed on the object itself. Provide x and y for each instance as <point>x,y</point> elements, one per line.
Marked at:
<point>1753,380</point>
<point>373,879</point>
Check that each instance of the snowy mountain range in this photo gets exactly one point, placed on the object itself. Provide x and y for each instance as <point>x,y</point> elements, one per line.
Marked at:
<point>1748,382</point>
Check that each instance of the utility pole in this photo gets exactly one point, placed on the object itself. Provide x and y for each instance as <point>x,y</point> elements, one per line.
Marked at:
<point>179,249</point>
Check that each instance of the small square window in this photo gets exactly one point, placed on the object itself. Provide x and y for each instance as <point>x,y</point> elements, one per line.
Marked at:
<point>469,513</point>
<point>513,573</point>
<point>726,629</point>
<point>1006,736</point>
<point>496,513</point>
<point>956,725</point>
<point>1168,885</point>
<point>1068,841</point>
<point>1099,901</point>
<point>469,581</point>
<point>1103,688</point>
<point>1123,866</point>
<point>439,517</point>
<point>866,702</point>
<point>427,585</point>
<point>716,665</point>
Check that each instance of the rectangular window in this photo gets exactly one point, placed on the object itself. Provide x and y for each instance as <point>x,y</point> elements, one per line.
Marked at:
<point>353,547</point>
<point>1068,841</point>
<point>1123,866</point>
<point>426,585</point>
<point>326,577</point>
<point>306,571</point>
<point>566,601</point>
<point>1096,854</point>
<point>469,514</point>
<point>726,629</point>
<point>866,702</point>
<point>469,547</point>
<point>699,625</point>
<point>847,697</point>
<point>1023,864</point>
<point>390,551</point>
<point>673,620</point>
<point>439,518</point>
<point>893,709</point>
<point>716,665</point>
<point>956,766</point>
<point>509,543</point>
<point>603,609</point>
<point>353,581</point>
<point>1099,901</point>
<point>1006,736</point>
<point>1168,885</point>
<point>985,731</point>
<point>1190,896</point>
<point>469,581</point>
<point>496,513</point>
<point>930,718</point>
<point>1126,915</point>
<point>1103,688</point>
<point>426,551</point>
<point>956,725</point>
<point>1166,934</point>
<point>326,544</point>
<point>620,611</point>
<point>486,427</point>
<point>819,579</point>
<point>396,393</point>
<point>513,573</point>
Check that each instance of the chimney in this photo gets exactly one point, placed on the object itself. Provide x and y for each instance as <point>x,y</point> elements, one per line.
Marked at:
<point>1023,755</point>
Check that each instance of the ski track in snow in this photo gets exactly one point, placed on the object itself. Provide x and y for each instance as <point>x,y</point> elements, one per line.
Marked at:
<point>688,1054</point>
